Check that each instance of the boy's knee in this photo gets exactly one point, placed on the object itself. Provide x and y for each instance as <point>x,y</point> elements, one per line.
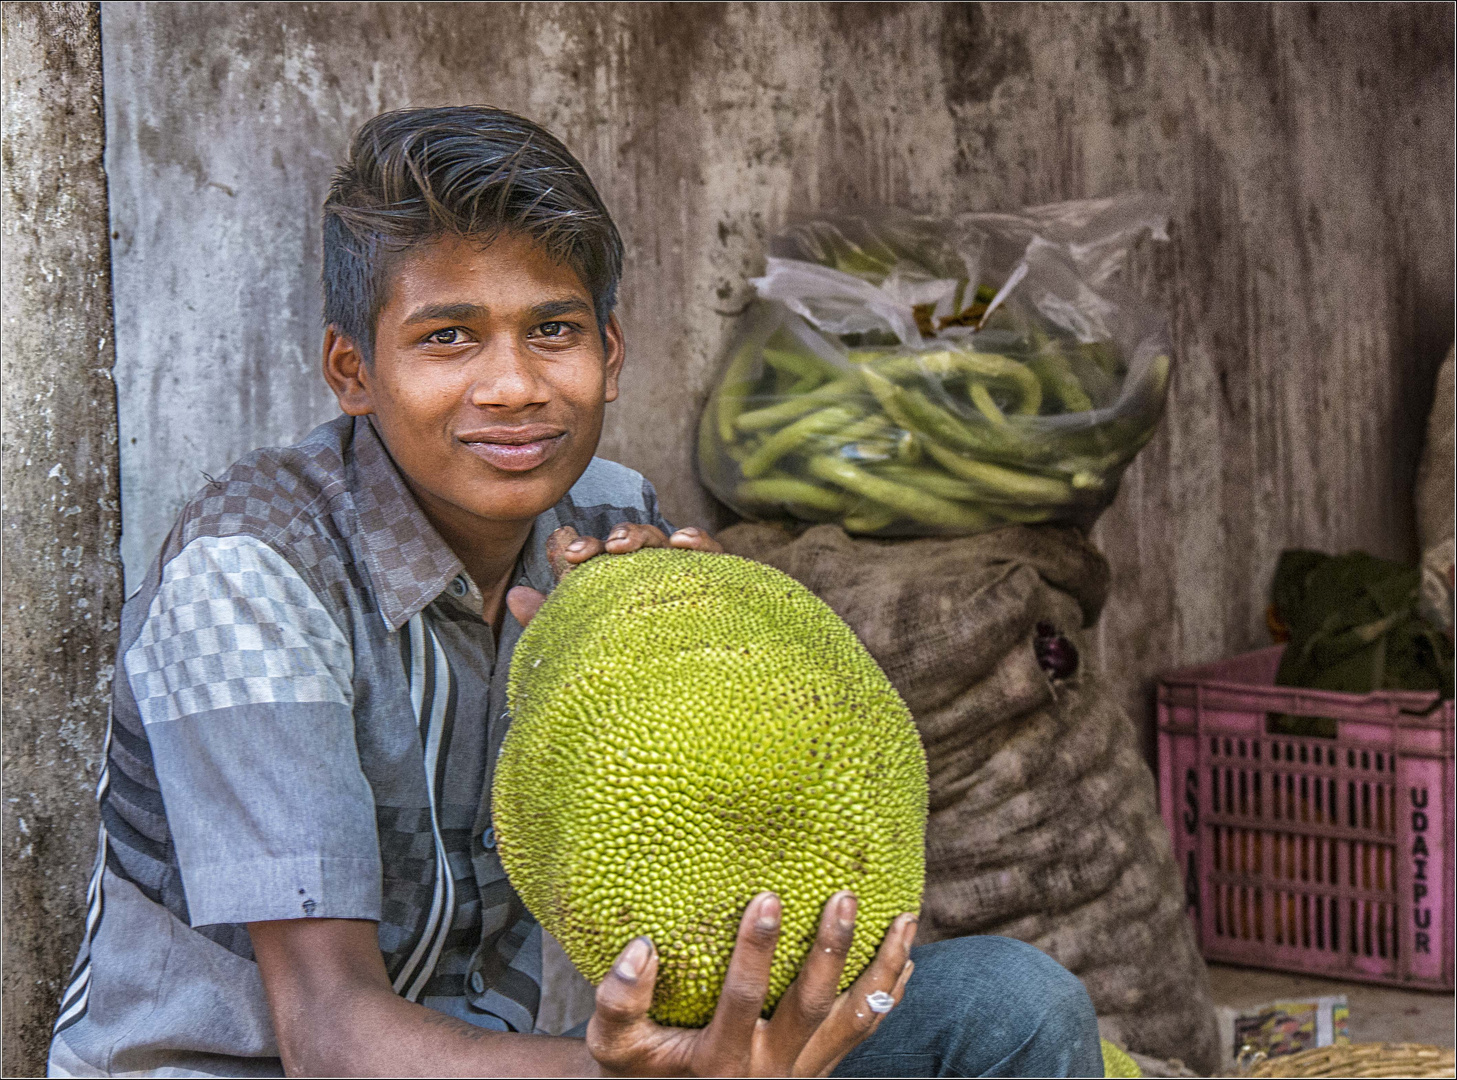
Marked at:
<point>1022,974</point>
<point>1011,1006</point>
<point>1058,992</point>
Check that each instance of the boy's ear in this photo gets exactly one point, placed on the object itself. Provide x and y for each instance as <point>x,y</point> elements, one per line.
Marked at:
<point>616,353</point>
<point>346,373</point>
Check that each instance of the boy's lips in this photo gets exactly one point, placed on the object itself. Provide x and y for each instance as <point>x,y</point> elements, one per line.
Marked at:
<point>514,449</point>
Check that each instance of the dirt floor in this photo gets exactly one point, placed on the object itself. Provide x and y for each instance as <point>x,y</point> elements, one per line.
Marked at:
<point>1378,1013</point>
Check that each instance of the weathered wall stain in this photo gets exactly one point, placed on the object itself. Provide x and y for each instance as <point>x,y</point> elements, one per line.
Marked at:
<point>978,55</point>
<point>58,485</point>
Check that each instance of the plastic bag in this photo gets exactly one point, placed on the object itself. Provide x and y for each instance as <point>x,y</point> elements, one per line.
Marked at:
<point>911,376</point>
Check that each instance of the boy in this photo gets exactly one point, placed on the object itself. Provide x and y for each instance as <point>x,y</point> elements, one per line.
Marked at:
<point>297,868</point>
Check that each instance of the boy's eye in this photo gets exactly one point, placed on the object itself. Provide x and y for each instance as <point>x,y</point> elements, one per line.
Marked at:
<point>451,335</point>
<point>553,329</point>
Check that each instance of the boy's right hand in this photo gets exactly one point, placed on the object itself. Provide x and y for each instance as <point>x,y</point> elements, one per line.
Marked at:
<point>811,1030</point>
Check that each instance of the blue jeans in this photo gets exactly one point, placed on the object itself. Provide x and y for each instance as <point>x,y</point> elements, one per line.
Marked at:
<point>984,1006</point>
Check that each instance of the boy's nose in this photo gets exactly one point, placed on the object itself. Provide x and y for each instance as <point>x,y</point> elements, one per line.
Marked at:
<point>505,379</point>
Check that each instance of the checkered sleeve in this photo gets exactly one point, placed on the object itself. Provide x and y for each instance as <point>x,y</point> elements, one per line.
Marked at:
<point>244,683</point>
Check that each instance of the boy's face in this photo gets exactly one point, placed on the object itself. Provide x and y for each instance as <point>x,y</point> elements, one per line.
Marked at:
<point>489,379</point>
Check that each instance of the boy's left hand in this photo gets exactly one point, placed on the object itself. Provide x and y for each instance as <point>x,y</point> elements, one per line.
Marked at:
<point>566,549</point>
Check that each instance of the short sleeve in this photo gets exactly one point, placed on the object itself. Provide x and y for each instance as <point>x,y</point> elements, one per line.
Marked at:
<point>244,684</point>
<point>654,513</point>
<point>606,494</point>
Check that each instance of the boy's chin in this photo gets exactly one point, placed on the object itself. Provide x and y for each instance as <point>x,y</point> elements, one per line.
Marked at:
<point>524,499</point>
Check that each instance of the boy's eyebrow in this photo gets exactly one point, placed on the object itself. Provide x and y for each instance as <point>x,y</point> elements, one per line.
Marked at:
<point>435,312</point>
<point>555,308</point>
<point>465,312</point>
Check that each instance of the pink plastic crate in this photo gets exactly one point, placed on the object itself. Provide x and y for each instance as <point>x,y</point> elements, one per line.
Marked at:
<point>1328,856</point>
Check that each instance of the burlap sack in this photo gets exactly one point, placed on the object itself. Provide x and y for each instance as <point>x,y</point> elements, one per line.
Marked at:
<point>1044,824</point>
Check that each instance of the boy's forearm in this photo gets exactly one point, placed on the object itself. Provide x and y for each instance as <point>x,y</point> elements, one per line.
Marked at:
<point>335,1014</point>
<point>374,1032</point>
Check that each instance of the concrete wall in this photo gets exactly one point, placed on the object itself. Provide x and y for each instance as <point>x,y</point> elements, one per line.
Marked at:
<point>58,484</point>
<point>1309,283</point>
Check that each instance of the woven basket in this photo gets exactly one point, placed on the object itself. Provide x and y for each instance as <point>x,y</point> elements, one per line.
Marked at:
<point>1362,1059</point>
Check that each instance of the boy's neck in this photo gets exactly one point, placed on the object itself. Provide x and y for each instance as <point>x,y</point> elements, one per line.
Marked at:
<point>489,549</point>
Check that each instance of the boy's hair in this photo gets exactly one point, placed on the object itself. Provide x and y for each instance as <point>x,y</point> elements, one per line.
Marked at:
<point>418,174</point>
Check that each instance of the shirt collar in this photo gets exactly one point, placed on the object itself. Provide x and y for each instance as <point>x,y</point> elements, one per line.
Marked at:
<point>409,564</point>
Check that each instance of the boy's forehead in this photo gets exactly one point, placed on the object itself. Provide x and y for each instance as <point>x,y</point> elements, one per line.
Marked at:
<point>506,271</point>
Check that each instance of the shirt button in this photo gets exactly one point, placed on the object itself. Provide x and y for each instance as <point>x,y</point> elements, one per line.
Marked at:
<point>488,838</point>
<point>459,586</point>
<point>477,982</point>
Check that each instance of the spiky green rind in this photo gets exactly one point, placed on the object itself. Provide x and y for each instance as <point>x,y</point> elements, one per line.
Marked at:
<point>688,730</point>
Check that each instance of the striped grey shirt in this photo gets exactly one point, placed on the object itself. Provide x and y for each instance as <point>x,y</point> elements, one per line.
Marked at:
<point>306,714</point>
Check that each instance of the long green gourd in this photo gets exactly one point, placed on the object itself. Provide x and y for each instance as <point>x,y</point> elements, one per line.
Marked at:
<point>786,489</point>
<point>789,438</point>
<point>920,505</point>
<point>998,480</point>
<point>865,465</point>
<point>792,408</point>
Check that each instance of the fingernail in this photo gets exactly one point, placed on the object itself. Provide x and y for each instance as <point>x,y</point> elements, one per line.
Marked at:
<point>769,911</point>
<point>845,912</point>
<point>577,545</point>
<point>634,958</point>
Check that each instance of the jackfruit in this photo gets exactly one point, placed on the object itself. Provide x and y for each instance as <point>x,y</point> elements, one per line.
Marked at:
<point>690,729</point>
<point>1117,1063</point>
